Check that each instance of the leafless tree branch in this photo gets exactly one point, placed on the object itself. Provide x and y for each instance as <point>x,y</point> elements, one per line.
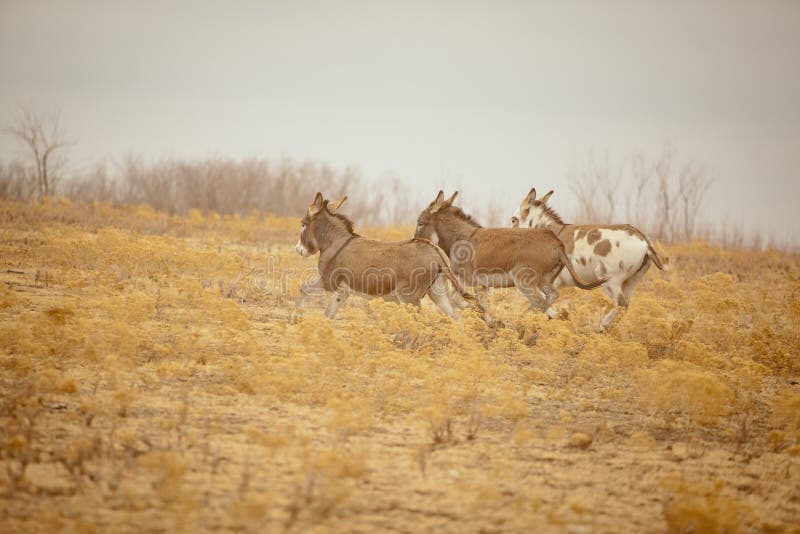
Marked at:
<point>44,144</point>
<point>657,194</point>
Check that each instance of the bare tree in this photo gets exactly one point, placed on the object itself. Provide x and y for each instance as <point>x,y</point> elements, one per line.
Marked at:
<point>595,186</point>
<point>665,197</point>
<point>658,195</point>
<point>693,184</point>
<point>45,144</point>
<point>636,203</point>
<point>13,180</point>
<point>92,184</point>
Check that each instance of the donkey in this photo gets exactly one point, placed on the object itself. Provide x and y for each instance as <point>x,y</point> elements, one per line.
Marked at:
<point>620,253</point>
<point>404,271</point>
<point>528,259</point>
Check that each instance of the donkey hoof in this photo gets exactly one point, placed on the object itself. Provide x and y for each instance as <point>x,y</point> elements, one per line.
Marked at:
<point>491,322</point>
<point>602,329</point>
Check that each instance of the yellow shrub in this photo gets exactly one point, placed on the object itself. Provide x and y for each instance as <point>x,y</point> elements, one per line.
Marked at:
<point>672,386</point>
<point>701,507</point>
<point>9,299</point>
<point>786,412</point>
<point>168,470</point>
<point>603,352</point>
<point>699,354</point>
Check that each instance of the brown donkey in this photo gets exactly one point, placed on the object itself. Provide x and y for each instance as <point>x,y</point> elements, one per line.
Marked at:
<point>528,259</point>
<point>404,271</point>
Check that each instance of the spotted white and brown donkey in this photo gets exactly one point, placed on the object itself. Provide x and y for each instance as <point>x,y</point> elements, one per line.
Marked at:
<point>619,252</point>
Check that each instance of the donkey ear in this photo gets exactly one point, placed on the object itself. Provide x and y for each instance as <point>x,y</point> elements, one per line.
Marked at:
<point>546,197</point>
<point>529,200</point>
<point>316,205</point>
<point>450,200</point>
<point>333,206</point>
<point>437,202</point>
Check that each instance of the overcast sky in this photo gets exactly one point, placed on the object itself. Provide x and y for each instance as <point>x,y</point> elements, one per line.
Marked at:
<point>486,95</point>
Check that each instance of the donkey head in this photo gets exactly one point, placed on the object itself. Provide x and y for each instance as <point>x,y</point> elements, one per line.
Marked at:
<point>318,213</point>
<point>532,212</point>
<point>427,221</point>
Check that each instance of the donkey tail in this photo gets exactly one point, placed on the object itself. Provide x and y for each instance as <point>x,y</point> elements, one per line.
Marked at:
<point>578,281</point>
<point>447,270</point>
<point>656,259</point>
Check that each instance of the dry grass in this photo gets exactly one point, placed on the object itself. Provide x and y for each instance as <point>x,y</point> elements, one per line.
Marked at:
<point>155,375</point>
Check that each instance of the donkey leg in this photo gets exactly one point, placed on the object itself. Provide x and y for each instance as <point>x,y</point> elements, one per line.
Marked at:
<point>311,287</point>
<point>613,289</point>
<point>537,299</point>
<point>537,296</point>
<point>339,297</point>
<point>551,295</point>
<point>630,284</point>
<point>608,320</point>
<point>622,295</point>
<point>457,300</point>
<point>481,296</point>
<point>621,292</point>
<point>551,313</point>
<point>549,286</point>
<point>408,294</point>
<point>559,282</point>
<point>438,292</point>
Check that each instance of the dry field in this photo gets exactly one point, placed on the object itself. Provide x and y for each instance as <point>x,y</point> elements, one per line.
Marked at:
<point>156,376</point>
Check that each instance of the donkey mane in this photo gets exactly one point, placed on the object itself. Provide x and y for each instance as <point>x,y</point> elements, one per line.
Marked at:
<point>348,224</point>
<point>550,212</point>
<point>458,212</point>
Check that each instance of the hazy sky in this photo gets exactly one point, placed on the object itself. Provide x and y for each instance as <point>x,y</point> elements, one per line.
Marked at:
<point>492,96</point>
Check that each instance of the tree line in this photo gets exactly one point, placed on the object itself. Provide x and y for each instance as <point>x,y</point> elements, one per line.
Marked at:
<point>662,194</point>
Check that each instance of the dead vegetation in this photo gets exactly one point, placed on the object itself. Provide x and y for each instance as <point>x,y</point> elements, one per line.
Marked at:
<point>156,376</point>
